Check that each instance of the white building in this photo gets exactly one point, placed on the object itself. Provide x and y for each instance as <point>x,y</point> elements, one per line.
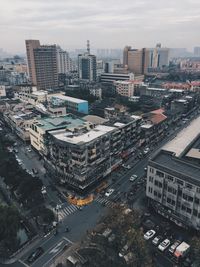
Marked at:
<point>125,88</point>
<point>65,63</point>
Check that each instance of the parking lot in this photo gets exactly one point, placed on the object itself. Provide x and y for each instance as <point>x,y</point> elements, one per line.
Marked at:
<point>160,230</point>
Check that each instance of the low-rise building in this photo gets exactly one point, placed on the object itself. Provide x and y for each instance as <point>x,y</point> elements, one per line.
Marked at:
<point>125,88</point>
<point>20,122</point>
<point>72,104</point>
<point>173,178</point>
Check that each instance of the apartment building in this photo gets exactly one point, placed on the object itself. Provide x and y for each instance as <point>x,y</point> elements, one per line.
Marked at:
<point>46,67</point>
<point>20,122</point>
<point>79,153</point>
<point>125,88</point>
<point>30,46</point>
<point>173,178</point>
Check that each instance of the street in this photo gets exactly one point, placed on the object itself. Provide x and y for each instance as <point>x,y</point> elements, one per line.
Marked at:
<point>79,222</point>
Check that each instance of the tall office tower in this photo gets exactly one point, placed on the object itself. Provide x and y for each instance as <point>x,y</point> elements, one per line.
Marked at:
<point>64,61</point>
<point>138,60</point>
<point>159,57</point>
<point>46,67</point>
<point>87,65</point>
<point>30,46</point>
<point>197,51</point>
<point>125,55</point>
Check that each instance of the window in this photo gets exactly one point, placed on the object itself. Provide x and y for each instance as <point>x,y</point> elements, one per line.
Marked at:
<point>158,184</point>
<point>150,179</point>
<point>180,182</point>
<point>195,212</point>
<point>188,198</point>
<point>183,208</point>
<point>151,170</point>
<point>196,200</point>
<point>198,189</point>
<point>169,177</point>
<point>150,189</point>
<point>172,190</point>
<point>160,174</point>
<point>189,186</point>
<point>170,201</point>
<point>188,210</point>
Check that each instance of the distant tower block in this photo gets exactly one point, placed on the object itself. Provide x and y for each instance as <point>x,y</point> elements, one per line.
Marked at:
<point>88,46</point>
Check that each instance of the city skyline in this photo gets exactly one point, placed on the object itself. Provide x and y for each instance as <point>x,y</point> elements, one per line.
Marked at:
<point>70,24</point>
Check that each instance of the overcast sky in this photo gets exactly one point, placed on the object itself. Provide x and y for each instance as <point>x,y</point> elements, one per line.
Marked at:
<point>106,23</point>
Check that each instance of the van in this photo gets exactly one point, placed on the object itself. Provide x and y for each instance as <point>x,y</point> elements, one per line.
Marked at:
<point>174,246</point>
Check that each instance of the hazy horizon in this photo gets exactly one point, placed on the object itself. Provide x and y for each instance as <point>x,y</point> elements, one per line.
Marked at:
<point>139,23</point>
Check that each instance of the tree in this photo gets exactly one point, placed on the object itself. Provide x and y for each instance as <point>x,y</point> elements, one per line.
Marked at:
<point>195,250</point>
<point>9,226</point>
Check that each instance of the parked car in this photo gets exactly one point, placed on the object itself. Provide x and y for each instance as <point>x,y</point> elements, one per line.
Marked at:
<point>109,192</point>
<point>35,254</point>
<point>157,240</point>
<point>133,178</point>
<point>164,245</point>
<point>28,149</point>
<point>148,235</point>
<point>146,150</point>
<point>174,246</point>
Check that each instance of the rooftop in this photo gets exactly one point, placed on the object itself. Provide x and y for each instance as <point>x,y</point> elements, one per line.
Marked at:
<point>53,123</point>
<point>71,99</point>
<point>175,166</point>
<point>184,139</point>
<point>39,93</point>
<point>82,138</point>
<point>95,119</point>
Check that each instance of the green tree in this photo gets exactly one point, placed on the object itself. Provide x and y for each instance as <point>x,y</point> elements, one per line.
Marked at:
<point>195,250</point>
<point>9,226</point>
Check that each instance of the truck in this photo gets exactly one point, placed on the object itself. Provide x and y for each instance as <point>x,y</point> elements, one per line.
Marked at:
<point>181,251</point>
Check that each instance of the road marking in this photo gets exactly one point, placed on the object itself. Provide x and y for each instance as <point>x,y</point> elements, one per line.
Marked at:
<point>67,240</point>
<point>56,248</point>
<point>24,263</point>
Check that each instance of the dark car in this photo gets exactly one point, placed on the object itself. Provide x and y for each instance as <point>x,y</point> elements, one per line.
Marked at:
<point>35,254</point>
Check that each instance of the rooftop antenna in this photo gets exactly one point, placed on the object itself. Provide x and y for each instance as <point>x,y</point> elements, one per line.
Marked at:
<point>88,46</point>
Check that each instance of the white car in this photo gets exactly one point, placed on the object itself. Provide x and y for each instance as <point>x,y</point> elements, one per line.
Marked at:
<point>133,178</point>
<point>164,245</point>
<point>109,192</point>
<point>157,240</point>
<point>148,235</point>
<point>146,151</point>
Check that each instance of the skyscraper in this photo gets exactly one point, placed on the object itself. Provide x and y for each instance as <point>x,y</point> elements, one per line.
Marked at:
<point>197,51</point>
<point>30,46</point>
<point>125,55</point>
<point>138,60</point>
<point>64,61</point>
<point>46,67</point>
<point>87,65</point>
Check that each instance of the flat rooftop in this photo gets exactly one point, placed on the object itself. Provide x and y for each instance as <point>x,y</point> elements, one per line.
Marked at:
<point>70,99</point>
<point>82,138</point>
<point>175,166</point>
<point>53,123</point>
<point>184,139</point>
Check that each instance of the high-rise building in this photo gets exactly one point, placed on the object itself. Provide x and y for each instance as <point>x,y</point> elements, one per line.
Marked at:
<point>30,46</point>
<point>65,64</point>
<point>87,65</point>
<point>125,55</point>
<point>159,57</point>
<point>46,67</point>
<point>197,51</point>
<point>138,60</point>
